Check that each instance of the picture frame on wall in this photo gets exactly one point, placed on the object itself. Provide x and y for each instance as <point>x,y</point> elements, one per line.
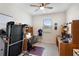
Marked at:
<point>55,28</point>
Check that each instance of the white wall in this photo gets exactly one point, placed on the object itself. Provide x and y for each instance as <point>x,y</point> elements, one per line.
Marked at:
<point>72,14</point>
<point>18,11</point>
<point>60,18</point>
<point>3,20</point>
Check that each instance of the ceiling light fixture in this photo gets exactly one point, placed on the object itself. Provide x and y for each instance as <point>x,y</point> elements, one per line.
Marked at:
<point>42,8</point>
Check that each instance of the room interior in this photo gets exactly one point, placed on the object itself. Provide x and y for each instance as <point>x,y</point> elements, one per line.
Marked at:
<point>39,29</point>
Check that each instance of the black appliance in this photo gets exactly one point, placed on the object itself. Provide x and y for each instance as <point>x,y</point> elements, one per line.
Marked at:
<point>8,35</point>
<point>15,35</point>
<point>9,28</point>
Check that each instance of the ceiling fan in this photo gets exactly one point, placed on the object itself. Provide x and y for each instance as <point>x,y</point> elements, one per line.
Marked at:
<point>41,6</point>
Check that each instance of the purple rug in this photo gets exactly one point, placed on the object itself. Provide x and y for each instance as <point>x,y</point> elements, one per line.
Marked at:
<point>37,51</point>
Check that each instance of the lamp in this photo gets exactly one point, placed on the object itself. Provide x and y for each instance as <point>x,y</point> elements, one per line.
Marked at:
<point>28,35</point>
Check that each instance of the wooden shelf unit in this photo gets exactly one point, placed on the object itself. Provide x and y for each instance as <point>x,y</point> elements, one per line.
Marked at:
<point>66,49</point>
<point>30,29</point>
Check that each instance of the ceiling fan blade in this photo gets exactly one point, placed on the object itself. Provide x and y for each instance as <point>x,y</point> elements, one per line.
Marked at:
<point>46,4</point>
<point>35,5</point>
<point>49,7</point>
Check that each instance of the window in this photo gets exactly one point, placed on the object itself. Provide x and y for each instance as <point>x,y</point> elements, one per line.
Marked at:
<point>47,24</point>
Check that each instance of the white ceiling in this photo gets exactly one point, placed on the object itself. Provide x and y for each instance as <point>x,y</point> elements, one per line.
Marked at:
<point>57,7</point>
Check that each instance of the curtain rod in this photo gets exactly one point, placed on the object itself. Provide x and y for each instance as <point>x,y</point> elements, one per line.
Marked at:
<point>6,15</point>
